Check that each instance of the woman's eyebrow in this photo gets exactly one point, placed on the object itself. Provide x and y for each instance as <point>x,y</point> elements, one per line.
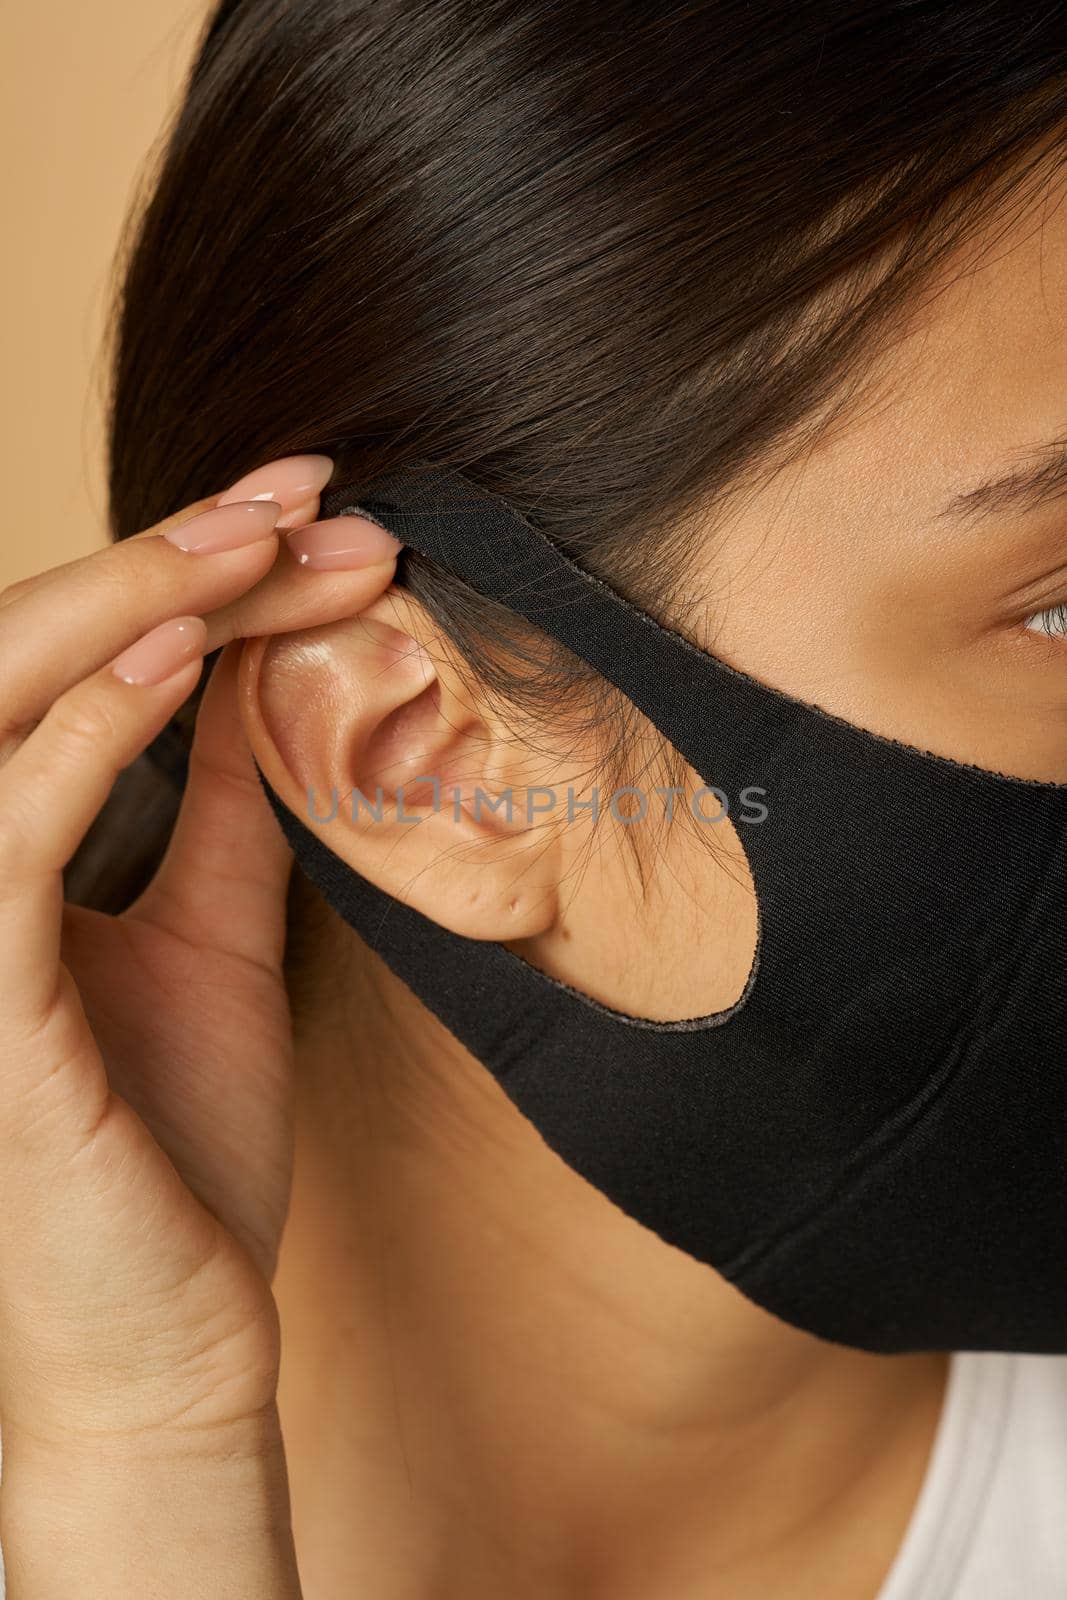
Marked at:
<point>1039,475</point>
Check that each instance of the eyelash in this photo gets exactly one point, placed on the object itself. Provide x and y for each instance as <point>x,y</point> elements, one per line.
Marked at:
<point>1056,619</point>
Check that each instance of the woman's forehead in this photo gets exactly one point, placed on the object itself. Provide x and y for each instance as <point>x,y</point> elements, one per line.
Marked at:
<point>974,388</point>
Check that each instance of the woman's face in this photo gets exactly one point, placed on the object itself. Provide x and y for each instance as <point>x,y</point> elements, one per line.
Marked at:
<point>881,577</point>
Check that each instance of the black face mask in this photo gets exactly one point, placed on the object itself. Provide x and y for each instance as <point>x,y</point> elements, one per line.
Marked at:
<point>871,1143</point>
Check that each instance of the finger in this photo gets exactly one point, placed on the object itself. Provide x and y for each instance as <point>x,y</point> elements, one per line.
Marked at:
<point>223,878</point>
<point>41,580</point>
<point>295,594</point>
<point>293,482</point>
<point>53,787</point>
<point>35,612</point>
<point>56,635</point>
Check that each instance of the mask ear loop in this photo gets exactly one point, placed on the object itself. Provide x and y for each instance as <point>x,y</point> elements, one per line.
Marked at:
<point>412,505</point>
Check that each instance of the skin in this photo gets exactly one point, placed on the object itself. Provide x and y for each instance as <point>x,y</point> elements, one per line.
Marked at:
<point>458,1367</point>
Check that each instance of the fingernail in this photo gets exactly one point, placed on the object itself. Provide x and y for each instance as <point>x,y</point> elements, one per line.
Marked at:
<point>342,542</point>
<point>225,527</point>
<point>293,482</point>
<point>157,655</point>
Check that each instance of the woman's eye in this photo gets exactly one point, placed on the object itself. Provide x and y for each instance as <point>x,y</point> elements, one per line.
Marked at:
<point>1052,622</point>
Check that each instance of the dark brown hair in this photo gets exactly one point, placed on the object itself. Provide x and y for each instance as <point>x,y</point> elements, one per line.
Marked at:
<point>615,261</point>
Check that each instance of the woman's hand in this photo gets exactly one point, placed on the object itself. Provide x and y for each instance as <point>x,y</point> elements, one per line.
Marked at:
<point>145,1059</point>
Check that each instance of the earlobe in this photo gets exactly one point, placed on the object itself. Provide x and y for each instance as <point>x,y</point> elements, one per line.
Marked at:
<point>344,719</point>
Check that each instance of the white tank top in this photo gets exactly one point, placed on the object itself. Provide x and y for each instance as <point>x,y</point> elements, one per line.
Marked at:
<point>990,1522</point>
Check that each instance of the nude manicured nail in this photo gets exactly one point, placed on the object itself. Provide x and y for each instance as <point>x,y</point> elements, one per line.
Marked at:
<point>293,482</point>
<point>157,655</point>
<point>342,542</point>
<point>225,527</point>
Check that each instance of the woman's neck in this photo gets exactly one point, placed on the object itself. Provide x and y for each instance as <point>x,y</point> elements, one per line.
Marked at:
<point>494,1382</point>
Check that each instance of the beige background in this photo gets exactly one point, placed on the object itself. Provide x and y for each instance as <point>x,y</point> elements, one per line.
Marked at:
<point>88,88</point>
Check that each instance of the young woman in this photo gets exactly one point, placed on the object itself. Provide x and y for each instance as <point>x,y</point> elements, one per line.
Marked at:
<point>597,1199</point>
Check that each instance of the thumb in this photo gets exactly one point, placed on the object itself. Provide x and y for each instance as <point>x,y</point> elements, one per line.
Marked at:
<point>222,881</point>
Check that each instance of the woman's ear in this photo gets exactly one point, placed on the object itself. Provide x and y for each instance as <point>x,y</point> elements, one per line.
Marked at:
<point>367,732</point>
